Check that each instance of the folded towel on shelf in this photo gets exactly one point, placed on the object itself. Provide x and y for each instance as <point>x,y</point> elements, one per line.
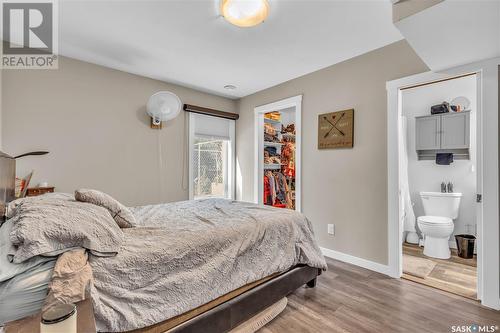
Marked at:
<point>444,158</point>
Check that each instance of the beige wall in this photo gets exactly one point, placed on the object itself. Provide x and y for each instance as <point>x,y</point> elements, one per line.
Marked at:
<point>92,120</point>
<point>406,8</point>
<point>347,187</point>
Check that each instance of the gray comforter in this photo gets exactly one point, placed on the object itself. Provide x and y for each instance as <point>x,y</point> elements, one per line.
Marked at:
<point>185,254</point>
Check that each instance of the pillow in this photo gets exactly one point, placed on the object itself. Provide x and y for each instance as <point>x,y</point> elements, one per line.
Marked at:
<point>12,206</point>
<point>121,214</point>
<point>52,226</point>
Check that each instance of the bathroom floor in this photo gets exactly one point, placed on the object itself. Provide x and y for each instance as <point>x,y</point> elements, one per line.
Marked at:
<point>456,275</point>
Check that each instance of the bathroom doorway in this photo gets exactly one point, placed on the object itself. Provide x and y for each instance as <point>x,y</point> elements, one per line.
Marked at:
<point>484,245</point>
<point>438,184</point>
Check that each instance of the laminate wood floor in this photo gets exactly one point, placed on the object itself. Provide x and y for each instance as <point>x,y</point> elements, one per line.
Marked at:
<point>348,298</point>
<point>455,275</point>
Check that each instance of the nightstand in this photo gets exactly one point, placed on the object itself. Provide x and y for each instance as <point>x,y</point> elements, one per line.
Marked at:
<point>85,321</point>
<point>34,191</point>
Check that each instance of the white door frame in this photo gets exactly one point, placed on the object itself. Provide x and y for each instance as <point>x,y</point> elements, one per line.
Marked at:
<point>296,102</point>
<point>487,168</point>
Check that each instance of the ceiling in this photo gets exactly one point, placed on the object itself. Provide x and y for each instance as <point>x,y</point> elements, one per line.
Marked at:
<point>188,43</point>
<point>472,35</point>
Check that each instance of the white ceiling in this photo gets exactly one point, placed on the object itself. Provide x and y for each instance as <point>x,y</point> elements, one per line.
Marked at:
<point>470,32</point>
<point>188,43</point>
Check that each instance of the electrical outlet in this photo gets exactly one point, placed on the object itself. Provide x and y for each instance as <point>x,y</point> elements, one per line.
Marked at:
<point>331,229</point>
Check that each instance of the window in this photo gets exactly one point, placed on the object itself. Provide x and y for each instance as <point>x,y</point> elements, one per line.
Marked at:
<point>211,157</point>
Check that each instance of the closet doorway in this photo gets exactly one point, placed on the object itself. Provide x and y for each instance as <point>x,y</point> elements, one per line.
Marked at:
<point>278,153</point>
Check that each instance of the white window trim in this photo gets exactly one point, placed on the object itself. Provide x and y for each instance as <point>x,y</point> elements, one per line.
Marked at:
<point>231,161</point>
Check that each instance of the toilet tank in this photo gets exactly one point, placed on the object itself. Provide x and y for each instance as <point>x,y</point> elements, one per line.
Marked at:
<point>441,204</point>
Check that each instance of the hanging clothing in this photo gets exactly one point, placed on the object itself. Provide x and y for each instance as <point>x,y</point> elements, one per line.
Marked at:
<point>285,194</point>
<point>277,193</point>
<point>269,188</point>
<point>288,159</point>
<point>281,187</point>
<point>267,192</point>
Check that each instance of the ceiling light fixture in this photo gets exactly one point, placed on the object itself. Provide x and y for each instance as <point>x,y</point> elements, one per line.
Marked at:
<point>229,87</point>
<point>244,13</point>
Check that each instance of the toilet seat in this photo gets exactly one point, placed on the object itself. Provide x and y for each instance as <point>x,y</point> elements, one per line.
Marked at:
<point>434,220</point>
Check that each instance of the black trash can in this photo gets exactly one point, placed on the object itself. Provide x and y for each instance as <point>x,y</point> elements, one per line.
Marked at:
<point>465,246</point>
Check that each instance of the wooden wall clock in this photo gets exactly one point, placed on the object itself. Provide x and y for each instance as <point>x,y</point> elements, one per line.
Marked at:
<point>336,129</point>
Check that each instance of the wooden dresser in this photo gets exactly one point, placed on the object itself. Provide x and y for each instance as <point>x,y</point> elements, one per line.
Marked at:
<point>34,191</point>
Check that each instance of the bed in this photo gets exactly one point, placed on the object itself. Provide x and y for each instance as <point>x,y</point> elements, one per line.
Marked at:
<point>197,266</point>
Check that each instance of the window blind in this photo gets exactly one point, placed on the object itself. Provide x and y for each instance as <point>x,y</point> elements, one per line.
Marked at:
<point>212,127</point>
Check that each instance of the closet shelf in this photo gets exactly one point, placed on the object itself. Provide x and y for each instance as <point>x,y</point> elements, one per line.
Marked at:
<point>272,144</point>
<point>292,135</point>
<point>272,166</point>
<point>272,121</point>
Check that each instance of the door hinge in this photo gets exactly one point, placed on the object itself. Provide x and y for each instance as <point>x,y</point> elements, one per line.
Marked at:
<point>479,198</point>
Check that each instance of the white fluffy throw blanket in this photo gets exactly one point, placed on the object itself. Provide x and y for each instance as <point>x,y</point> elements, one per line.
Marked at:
<point>185,254</point>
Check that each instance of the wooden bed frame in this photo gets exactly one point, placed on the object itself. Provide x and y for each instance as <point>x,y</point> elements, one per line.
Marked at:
<point>221,318</point>
<point>234,311</point>
<point>230,314</point>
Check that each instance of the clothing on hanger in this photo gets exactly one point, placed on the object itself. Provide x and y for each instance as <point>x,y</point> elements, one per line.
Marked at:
<point>288,159</point>
<point>277,192</point>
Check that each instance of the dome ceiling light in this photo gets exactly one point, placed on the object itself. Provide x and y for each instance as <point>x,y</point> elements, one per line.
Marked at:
<point>244,13</point>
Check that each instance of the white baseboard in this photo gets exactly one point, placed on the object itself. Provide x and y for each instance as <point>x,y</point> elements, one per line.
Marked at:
<point>493,304</point>
<point>371,265</point>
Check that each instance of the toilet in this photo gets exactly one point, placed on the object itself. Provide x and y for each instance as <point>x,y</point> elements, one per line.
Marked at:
<point>437,223</point>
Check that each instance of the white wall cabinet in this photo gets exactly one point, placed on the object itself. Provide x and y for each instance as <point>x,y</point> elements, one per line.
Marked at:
<point>428,131</point>
<point>443,132</point>
<point>455,130</point>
